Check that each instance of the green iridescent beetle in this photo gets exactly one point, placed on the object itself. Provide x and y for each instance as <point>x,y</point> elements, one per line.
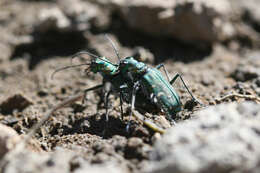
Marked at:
<point>155,87</point>
<point>129,78</point>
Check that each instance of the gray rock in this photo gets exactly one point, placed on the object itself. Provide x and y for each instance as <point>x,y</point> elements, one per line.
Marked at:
<point>189,21</point>
<point>26,161</point>
<point>247,70</point>
<point>82,13</point>
<point>70,15</point>
<point>143,55</point>
<point>245,73</point>
<point>52,18</point>
<point>108,168</point>
<point>222,138</point>
<point>250,8</point>
<point>60,160</point>
<point>15,102</point>
<point>8,139</point>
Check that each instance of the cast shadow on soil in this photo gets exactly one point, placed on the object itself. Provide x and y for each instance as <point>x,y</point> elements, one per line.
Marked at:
<point>94,126</point>
<point>49,44</point>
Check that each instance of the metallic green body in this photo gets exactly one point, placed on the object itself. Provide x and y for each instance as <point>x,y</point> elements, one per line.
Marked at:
<point>155,89</point>
<point>110,73</point>
<point>164,94</point>
<point>155,86</point>
<point>120,81</point>
<point>103,66</point>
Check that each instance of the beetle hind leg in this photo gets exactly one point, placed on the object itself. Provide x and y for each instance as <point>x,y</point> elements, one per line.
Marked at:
<point>193,98</point>
<point>164,69</point>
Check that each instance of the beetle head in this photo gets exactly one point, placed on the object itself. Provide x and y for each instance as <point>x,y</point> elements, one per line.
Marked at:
<point>103,66</point>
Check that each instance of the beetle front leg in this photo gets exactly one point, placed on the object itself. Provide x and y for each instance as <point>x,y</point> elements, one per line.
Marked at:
<point>107,94</point>
<point>107,91</point>
<point>90,89</point>
<point>135,88</point>
<point>121,105</point>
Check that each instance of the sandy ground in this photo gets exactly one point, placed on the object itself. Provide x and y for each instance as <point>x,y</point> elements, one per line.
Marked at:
<point>27,91</point>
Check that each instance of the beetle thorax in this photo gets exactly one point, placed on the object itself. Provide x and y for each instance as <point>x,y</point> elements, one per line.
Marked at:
<point>129,64</point>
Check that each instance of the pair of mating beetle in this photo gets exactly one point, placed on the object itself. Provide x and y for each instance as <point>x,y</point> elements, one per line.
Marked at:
<point>131,79</point>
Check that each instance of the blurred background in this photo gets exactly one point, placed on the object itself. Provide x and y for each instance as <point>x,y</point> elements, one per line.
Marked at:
<point>178,30</point>
<point>213,44</point>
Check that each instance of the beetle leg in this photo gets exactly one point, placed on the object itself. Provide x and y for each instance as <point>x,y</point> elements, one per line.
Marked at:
<point>193,98</point>
<point>107,93</point>
<point>174,79</point>
<point>164,69</point>
<point>107,89</point>
<point>135,88</point>
<point>106,104</point>
<point>121,105</point>
<point>90,89</point>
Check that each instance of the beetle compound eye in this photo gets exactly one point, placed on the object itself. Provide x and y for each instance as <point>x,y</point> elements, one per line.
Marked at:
<point>124,62</point>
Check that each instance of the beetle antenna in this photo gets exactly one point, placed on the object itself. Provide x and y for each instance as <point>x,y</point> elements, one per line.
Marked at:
<point>114,47</point>
<point>90,54</point>
<point>66,67</point>
<point>83,52</point>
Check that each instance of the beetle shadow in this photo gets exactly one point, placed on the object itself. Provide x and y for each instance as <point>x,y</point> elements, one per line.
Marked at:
<point>95,125</point>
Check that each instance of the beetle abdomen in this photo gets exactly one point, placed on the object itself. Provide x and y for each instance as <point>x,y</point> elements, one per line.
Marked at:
<point>161,92</point>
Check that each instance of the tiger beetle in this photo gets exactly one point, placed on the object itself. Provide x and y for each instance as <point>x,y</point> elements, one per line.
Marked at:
<point>130,79</point>
<point>113,80</point>
<point>155,87</point>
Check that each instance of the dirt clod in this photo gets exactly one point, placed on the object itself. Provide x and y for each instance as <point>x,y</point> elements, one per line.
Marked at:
<point>15,102</point>
<point>8,139</point>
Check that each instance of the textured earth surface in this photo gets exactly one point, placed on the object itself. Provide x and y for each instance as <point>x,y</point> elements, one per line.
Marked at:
<point>213,45</point>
